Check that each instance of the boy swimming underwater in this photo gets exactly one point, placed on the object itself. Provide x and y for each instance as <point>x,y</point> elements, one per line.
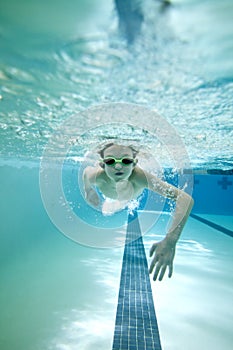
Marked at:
<point>119,178</point>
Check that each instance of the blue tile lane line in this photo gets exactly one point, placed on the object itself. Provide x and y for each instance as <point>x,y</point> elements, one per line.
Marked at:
<point>213,225</point>
<point>136,325</point>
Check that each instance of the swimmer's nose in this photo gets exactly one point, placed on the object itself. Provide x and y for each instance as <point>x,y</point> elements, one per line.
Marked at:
<point>118,166</point>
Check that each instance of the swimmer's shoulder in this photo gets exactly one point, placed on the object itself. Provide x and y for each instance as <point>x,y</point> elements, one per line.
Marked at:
<point>92,174</point>
<point>143,178</point>
<point>138,176</point>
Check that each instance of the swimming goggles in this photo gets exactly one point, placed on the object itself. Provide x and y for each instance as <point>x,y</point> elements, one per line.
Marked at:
<point>110,161</point>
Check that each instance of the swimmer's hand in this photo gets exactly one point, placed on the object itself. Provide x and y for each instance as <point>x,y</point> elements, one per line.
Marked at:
<point>164,252</point>
<point>92,198</point>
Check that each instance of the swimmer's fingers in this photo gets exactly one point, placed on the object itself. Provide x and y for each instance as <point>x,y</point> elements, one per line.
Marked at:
<point>152,249</point>
<point>162,272</point>
<point>170,270</point>
<point>155,259</point>
<point>157,269</point>
<point>153,263</point>
<point>162,259</point>
<point>162,269</point>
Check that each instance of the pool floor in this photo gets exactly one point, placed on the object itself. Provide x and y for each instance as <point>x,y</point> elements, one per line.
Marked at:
<point>56,294</point>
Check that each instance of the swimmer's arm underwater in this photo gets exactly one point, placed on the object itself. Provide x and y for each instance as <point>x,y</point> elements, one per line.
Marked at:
<point>163,252</point>
<point>89,180</point>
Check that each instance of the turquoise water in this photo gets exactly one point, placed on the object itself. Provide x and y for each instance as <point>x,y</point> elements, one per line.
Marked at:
<point>194,310</point>
<point>56,294</point>
<point>52,68</point>
<point>58,58</point>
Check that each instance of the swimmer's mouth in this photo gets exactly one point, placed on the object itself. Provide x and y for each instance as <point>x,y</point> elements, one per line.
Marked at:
<point>119,173</point>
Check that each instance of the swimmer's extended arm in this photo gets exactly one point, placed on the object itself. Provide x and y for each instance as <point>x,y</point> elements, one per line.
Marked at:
<point>163,252</point>
<point>89,179</point>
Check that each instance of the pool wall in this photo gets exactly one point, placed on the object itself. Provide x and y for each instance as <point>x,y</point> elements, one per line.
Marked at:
<point>212,194</point>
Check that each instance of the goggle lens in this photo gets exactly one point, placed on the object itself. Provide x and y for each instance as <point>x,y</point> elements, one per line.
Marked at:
<point>127,161</point>
<point>109,161</point>
<point>113,161</point>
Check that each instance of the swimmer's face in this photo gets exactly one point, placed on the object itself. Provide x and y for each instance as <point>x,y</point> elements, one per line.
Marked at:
<point>118,171</point>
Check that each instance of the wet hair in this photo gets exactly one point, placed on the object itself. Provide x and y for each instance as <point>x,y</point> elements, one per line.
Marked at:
<point>101,152</point>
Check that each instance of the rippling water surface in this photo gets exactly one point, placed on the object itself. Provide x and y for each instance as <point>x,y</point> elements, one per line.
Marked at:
<point>58,58</point>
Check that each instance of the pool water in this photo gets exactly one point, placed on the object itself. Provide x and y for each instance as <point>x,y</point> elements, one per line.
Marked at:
<point>193,308</point>
<point>56,294</point>
<point>53,68</point>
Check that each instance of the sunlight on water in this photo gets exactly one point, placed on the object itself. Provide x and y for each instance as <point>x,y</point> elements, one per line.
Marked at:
<point>180,65</point>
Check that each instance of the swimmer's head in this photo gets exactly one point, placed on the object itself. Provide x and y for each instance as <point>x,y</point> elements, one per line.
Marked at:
<point>109,145</point>
<point>118,161</point>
